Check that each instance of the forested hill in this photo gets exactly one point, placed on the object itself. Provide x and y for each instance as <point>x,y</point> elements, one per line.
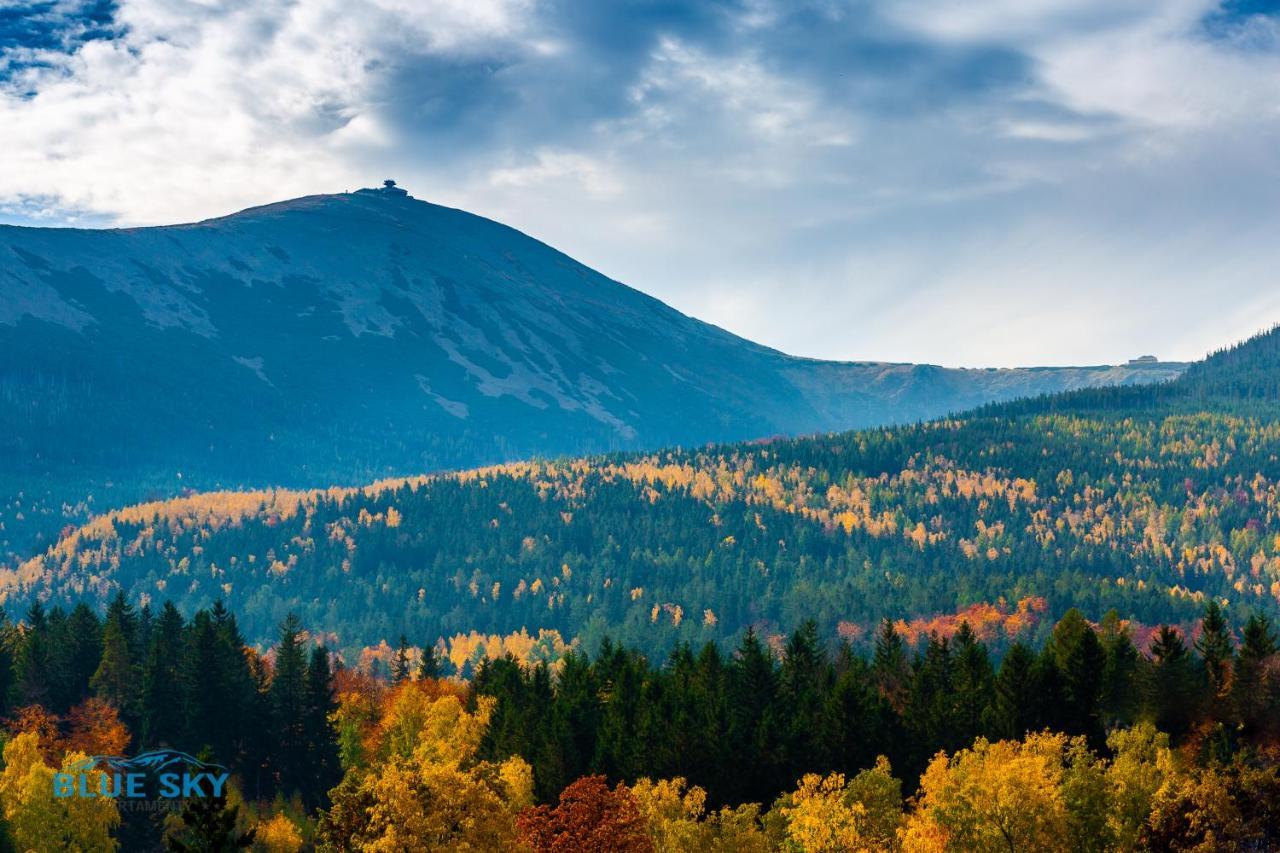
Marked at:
<point>342,338</point>
<point>1004,519</point>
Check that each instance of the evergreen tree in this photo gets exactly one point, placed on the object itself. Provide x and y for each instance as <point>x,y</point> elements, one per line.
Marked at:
<point>1119,700</point>
<point>973,678</point>
<point>400,664</point>
<point>429,666</point>
<point>931,713</point>
<point>33,658</point>
<point>1013,709</point>
<point>754,727</point>
<point>1217,652</point>
<point>804,681</point>
<point>1255,688</point>
<point>288,699</point>
<point>10,642</point>
<point>1171,697</point>
<point>80,657</point>
<point>1081,660</point>
<point>324,771</point>
<point>890,667</point>
<point>162,693</point>
<point>116,679</point>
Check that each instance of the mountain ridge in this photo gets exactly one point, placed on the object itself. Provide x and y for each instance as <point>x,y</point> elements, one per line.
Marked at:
<point>348,337</point>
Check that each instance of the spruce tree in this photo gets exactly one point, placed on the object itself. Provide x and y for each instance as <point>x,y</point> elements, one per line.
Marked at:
<point>1081,659</point>
<point>1171,696</point>
<point>287,695</point>
<point>1120,698</point>
<point>33,658</point>
<point>162,693</point>
<point>1255,690</point>
<point>890,667</point>
<point>1217,652</point>
<point>323,769</point>
<point>1012,713</point>
<point>400,664</point>
<point>973,679</point>
<point>81,655</point>
<point>429,665</point>
<point>116,679</point>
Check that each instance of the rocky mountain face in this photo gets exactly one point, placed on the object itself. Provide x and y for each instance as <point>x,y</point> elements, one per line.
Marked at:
<point>331,339</point>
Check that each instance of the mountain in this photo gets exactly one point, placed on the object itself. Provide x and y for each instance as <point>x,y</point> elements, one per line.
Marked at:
<point>340,338</point>
<point>1004,518</point>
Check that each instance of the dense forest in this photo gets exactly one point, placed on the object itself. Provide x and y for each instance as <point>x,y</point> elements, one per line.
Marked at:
<point>1084,743</point>
<point>1149,501</point>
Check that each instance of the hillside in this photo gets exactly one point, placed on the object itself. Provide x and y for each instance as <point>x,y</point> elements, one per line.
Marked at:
<point>1004,518</point>
<point>343,338</point>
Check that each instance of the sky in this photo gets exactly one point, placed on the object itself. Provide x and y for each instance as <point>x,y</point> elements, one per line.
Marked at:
<point>968,183</point>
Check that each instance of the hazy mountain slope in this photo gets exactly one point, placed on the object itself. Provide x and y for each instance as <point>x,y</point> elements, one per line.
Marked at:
<point>1010,518</point>
<point>333,339</point>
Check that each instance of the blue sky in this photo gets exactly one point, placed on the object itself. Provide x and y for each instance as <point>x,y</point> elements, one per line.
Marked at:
<point>990,182</point>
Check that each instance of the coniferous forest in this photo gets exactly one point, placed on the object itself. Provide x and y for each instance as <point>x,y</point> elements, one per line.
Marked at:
<point>1042,626</point>
<point>1083,743</point>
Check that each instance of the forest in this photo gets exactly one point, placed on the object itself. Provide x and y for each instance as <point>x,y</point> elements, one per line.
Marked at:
<point>1150,501</point>
<point>1083,743</point>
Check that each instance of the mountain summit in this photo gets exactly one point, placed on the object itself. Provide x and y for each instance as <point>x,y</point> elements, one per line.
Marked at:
<point>336,337</point>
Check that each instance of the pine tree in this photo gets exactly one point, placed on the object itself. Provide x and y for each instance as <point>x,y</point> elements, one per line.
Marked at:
<point>973,678</point>
<point>324,770</point>
<point>805,680</point>
<point>10,640</point>
<point>116,679</point>
<point>33,658</point>
<point>890,667</point>
<point>162,694</point>
<point>754,727</point>
<point>429,665</point>
<point>400,665</point>
<point>1081,660</point>
<point>931,712</point>
<point>80,656</point>
<point>1119,698</point>
<point>1217,653</point>
<point>287,695</point>
<point>1255,690</point>
<point>1171,696</point>
<point>1013,709</point>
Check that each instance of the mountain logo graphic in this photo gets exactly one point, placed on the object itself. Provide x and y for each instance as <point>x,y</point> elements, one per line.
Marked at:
<point>165,774</point>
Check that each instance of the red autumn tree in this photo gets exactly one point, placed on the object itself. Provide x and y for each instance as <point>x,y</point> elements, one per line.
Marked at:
<point>590,818</point>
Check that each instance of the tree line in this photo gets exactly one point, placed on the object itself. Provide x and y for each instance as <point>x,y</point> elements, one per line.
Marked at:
<point>743,725</point>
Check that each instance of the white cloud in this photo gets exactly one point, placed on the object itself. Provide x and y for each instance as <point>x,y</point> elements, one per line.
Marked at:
<point>991,181</point>
<point>201,108</point>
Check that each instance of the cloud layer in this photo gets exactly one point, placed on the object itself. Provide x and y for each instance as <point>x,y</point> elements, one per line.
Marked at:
<point>988,182</point>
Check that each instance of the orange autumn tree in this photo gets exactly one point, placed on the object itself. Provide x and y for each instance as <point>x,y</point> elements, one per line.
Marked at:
<point>94,728</point>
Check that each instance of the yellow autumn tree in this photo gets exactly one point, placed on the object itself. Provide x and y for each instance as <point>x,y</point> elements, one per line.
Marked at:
<point>277,835</point>
<point>993,797</point>
<point>1142,766</point>
<point>38,820</point>
<point>832,814</point>
<point>429,791</point>
<point>673,811</point>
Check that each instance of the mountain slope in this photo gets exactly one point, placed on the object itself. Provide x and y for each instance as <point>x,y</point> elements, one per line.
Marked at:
<point>1003,517</point>
<point>334,339</point>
